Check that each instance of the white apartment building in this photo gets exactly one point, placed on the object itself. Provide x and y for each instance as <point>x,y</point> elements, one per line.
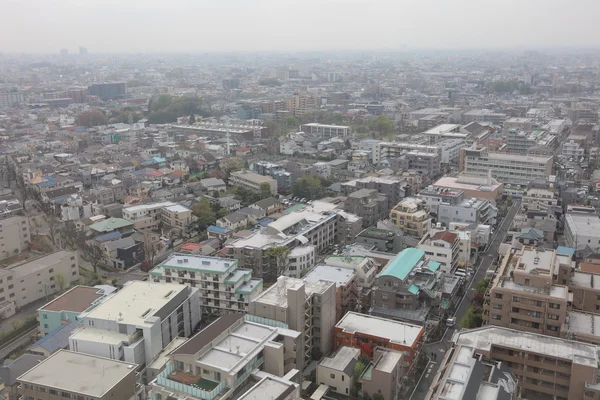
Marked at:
<point>326,131</point>
<point>149,216</point>
<point>136,323</point>
<point>484,115</point>
<point>572,149</point>
<point>442,247</point>
<point>224,288</point>
<point>34,280</point>
<point>365,268</point>
<point>538,199</point>
<point>582,228</point>
<point>251,180</point>
<point>14,236</point>
<point>9,99</point>
<point>301,258</point>
<point>451,150</point>
<point>506,168</point>
<point>308,307</point>
<point>383,150</point>
<point>225,359</point>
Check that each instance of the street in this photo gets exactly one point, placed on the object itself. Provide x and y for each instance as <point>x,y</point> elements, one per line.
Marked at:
<point>440,347</point>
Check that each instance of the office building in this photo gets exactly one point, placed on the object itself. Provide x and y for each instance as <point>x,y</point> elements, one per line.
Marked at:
<point>67,307</point>
<point>136,323</point>
<point>484,115</point>
<point>368,204</point>
<point>108,91</point>
<point>15,236</point>
<point>70,375</point>
<point>582,228</point>
<point>412,216</point>
<point>506,168</point>
<point>21,284</point>
<point>224,288</point>
<point>545,367</point>
<point>327,131</point>
<point>465,375</point>
<point>235,357</point>
<point>252,181</point>
<point>522,294</point>
<point>307,307</point>
<point>366,332</point>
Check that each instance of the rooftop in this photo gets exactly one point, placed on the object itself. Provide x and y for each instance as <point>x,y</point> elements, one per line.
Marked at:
<point>395,331</point>
<point>78,299</point>
<point>146,207</point>
<point>583,323</point>
<point>483,339</point>
<point>403,263</point>
<point>136,302</point>
<point>277,294</point>
<point>269,388</point>
<point>70,372</point>
<point>41,263</point>
<point>343,360</point>
<point>539,261</point>
<point>339,275</point>
<point>110,224</point>
<point>214,265</point>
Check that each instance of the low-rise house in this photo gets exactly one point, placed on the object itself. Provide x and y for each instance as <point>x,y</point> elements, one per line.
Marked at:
<point>212,185</point>
<point>337,371</point>
<point>234,221</point>
<point>269,206</point>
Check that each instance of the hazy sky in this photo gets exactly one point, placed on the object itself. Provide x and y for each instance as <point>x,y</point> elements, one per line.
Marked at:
<point>248,25</point>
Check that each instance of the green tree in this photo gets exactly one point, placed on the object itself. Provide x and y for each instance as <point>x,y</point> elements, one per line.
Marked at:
<point>280,261</point>
<point>309,187</point>
<point>382,125</point>
<point>204,213</point>
<point>265,190</point>
<point>232,164</point>
<point>92,118</point>
<point>482,285</point>
<point>473,318</point>
<point>61,281</point>
<point>290,122</point>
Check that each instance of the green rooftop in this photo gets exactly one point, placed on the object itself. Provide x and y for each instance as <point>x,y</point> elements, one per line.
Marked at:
<point>295,207</point>
<point>403,263</point>
<point>111,224</point>
<point>414,289</point>
<point>433,266</point>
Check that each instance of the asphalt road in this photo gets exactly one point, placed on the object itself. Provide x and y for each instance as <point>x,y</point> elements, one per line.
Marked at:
<point>440,347</point>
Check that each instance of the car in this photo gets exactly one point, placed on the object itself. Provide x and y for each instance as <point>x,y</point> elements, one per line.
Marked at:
<point>303,200</point>
<point>450,322</point>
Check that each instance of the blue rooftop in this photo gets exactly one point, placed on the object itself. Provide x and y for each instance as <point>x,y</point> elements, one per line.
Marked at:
<point>433,266</point>
<point>57,339</point>
<point>403,263</point>
<point>265,222</point>
<point>565,251</point>
<point>414,289</point>
<point>109,237</point>
<point>218,229</point>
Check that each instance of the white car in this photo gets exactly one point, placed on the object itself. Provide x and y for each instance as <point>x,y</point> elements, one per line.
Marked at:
<point>450,322</point>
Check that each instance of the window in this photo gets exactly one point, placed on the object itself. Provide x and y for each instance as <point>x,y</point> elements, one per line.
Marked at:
<point>555,306</point>
<point>51,270</point>
<point>45,316</point>
<point>552,328</point>
<point>527,282</point>
<point>499,295</point>
<point>343,379</point>
<point>497,306</point>
<point>10,286</point>
<point>516,299</point>
<point>332,376</point>
<point>496,317</point>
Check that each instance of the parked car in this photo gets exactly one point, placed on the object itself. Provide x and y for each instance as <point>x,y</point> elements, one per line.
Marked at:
<point>450,322</point>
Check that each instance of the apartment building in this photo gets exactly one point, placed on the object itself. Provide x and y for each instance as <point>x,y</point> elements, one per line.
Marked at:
<point>149,216</point>
<point>14,236</point>
<point>225,359</point>
<point>366,332</point>
<point>30,281</point>
<point>9,98</point>
<point>478,187</point>
<point>345,279</point>
<point>384,374</point>
<point>465,375</point>
<point>447,114</point>
<point>327,131</point>
<point>522,294</point>
<point>572,149</point>
<point>506,168</point>
<point>470,211</point>
<point>252,181</point>
<point>424,158</point>
<point>585,289</point>
<point>301,259</point>
<point>539,199</point>
<point>368,204</point>
<point>136,323</point>
<point>224,287</point>
<point>518,141</point>
<point>545,367</point>
<point>337,370</point>
<point>582,228</point>
<point>442,247</point>
<point>411,215</point>
<point>307,307</point>
<point>411,286</point>
<point>391,187</point>
<point>66,308</point>
<point>365,268</point>
<point>319,225</point>
<point>71,375</point>
<point>484,115</point>
<point>522,124</point>
<point>382,239</point>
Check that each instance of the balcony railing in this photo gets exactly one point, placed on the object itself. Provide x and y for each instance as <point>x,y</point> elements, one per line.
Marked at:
<point>163,380</point>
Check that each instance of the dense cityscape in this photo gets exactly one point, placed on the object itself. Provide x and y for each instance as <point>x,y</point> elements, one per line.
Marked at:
<point>365,225</point>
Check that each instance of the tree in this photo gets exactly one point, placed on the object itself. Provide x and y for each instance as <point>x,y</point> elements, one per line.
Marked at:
<point>54,228</point>
<point>382,125</point>
<point>192,119</point>
<point>61,281</point>
<point>94,254</point>
<point>205,215</point>
<point>280,261</point>
<point>150,252</point>
<point>309,187</point>
<point>92,118</point>
<point>265,190</point>
<point>377,396</point>
<point>482,285</point>
<point>22,192</point>
<point>232,164</point>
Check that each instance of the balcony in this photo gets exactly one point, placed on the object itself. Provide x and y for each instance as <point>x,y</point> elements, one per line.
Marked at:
<point>189,384</point>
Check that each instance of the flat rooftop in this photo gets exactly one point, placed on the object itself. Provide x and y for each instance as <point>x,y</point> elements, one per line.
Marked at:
<point>395,331</point>
<point>39,264</point>
<point>586,280</point>
<point>136,302</point>
<point>584,224</point>
<point>341,359</point>
<point>483,339</point>
<point>269,388</point>
<point>90,334</point>
<point>214,265</point>
<point>583,323</point>
<point>276,296</point>
<point>71,372</point>
<point>339,275</point>
<point>78,299</point>
<point>151,206</point>
<point>541,261</point>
